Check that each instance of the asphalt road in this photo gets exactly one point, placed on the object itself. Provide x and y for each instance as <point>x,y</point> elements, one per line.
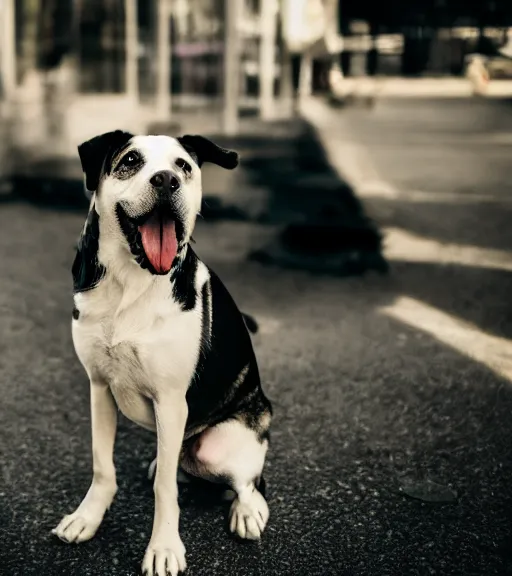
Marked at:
<point>391,449</point>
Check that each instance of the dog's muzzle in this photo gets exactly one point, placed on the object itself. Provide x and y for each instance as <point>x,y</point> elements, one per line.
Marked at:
<point>154,237</point>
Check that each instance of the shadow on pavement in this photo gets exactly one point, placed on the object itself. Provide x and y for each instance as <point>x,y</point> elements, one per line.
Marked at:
<point>324,227</point>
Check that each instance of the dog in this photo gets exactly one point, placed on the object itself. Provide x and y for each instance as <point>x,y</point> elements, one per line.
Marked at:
<point>162,340</point>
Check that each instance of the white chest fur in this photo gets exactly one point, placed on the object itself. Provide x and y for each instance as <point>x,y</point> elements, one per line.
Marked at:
<point>138,341</point>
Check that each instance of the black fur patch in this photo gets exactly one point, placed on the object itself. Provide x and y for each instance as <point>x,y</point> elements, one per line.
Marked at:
<point>76,313</point>
<point>251,323</point>
<point>97,155</point>
<point>215,393</point>
<point>184,166</point>
<point>183,277</point>
<point>131,163</point>
<point>203,150</point>
<point>206,307</point>
<point>87,271</point>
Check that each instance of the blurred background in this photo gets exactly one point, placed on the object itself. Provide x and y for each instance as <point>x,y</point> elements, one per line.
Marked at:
<point>367,230</point>
<point>152,60</point>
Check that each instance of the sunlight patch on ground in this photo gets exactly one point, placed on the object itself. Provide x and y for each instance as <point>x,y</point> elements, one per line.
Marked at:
<point>381,190</point>
<point>401,245</point>
<point>494,352</point>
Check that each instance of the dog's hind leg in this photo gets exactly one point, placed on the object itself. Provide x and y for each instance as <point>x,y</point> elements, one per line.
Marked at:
<point>232,452</point>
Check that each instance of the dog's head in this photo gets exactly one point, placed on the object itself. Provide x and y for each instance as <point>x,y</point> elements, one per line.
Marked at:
<point>147,191</point>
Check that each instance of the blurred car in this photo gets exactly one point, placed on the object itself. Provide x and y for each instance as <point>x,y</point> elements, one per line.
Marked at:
<point>496,67</point>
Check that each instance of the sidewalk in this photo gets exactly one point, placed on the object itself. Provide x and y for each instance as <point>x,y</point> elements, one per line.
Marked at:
<point>388,87</point>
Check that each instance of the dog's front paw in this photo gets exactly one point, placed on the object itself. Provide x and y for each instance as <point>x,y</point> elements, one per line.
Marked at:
<point>249,518</point>
<point>77,527</point>
<point>163,559</point>
<point>86,519</point>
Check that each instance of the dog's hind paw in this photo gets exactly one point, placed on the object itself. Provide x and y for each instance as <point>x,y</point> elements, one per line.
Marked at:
<point>248,518</point>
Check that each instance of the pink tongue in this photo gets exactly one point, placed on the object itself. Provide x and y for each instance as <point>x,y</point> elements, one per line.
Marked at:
<point>159,241</point>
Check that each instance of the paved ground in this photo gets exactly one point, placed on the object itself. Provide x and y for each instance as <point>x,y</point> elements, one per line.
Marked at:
<point>399,87</point>
<point>392,448</point>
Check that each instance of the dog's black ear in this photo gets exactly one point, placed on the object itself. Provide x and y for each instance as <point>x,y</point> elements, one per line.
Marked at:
<point>203,150</point>
<point>97,154</point>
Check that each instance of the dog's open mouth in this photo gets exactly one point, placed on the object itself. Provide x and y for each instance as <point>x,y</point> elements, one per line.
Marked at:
<point>153,238</point>
<point>158,234</point>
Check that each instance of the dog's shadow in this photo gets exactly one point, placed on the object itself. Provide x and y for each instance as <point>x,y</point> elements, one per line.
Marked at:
<point>203,494</point>
<point>198,493</point>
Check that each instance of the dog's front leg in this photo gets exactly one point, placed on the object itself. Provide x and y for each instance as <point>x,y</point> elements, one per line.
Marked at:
<point>165,553</point>
<point>82,524</point>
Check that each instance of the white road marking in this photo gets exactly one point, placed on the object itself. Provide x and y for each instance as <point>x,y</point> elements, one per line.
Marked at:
<point>406,247</point>
<point>492,351</point>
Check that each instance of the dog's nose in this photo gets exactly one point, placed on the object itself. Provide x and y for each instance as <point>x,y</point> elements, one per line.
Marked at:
<point>165,180</point>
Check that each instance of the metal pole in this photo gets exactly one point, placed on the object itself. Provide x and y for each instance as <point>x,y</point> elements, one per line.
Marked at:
<point>286,82</point>
<point>163,49</point>
<point>306,75</point>
<point>131,48</point>
<point>287,88</point>
<point>8,49</point>
<point>332,13</point>
<point>231,66</point>
<point>268,29</point>
<point>336,80</point>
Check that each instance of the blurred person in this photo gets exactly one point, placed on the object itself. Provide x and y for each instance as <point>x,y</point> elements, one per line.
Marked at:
<point>478,75</point>
<point>506,49</point>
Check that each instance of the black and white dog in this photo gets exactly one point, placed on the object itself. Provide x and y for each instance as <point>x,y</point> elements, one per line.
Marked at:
<point>162,340</point>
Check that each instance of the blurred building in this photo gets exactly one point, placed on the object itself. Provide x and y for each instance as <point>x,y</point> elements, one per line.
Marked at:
<point>71,68</point>
<point>423,37</point>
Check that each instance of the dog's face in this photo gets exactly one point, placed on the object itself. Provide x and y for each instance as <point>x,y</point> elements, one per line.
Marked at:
<point>147,191</point>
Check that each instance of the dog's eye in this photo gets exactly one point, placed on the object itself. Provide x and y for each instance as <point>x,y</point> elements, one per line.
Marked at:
<point>129,160</point>
<point>184,165</point>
